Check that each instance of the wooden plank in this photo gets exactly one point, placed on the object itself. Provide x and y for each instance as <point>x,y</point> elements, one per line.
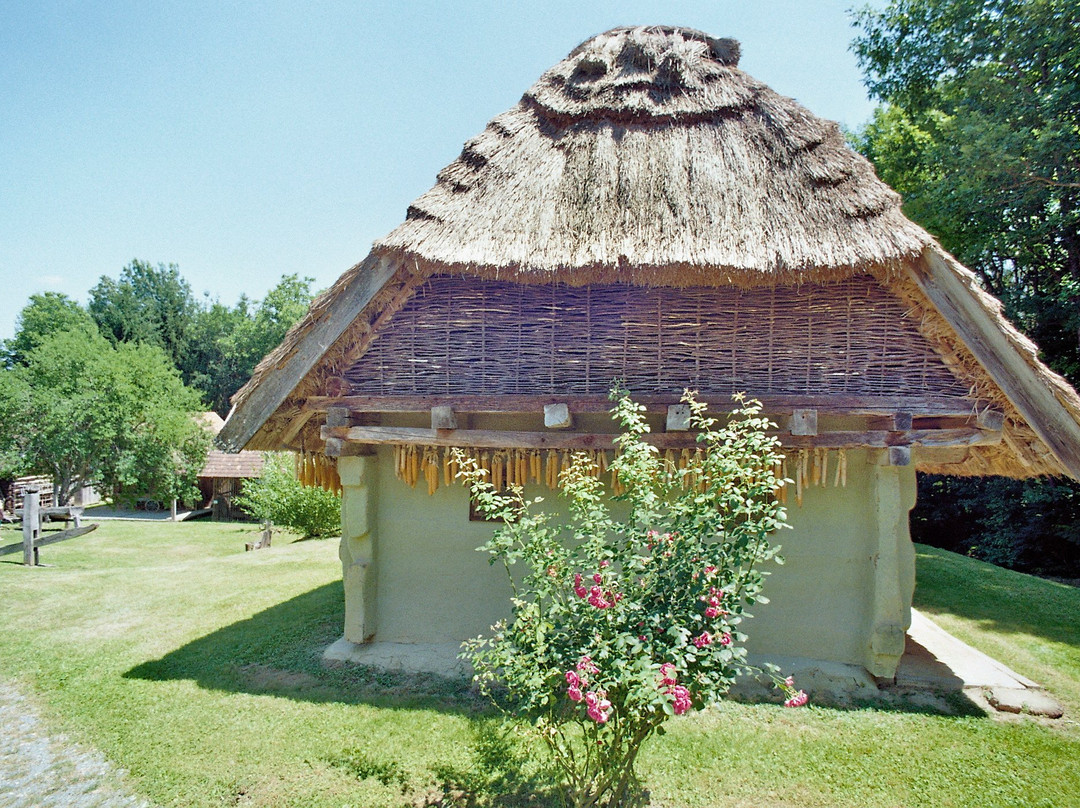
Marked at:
<point>244,421</point>
<point>990,419</point>
<point>337,416</point>
<point>678,417</point>
<point>902,420</point>
<point>953,291</point>
<point>442,417</point>
<point>497,439</point>
<point>803,422</point>
<point>774,405</point>
<point>336,447</point>
<point>557,416</point>
<point>52,538</point>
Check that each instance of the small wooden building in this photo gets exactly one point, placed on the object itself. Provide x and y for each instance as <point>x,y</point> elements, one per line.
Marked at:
<point>649,212</point>
<point>223,475</point>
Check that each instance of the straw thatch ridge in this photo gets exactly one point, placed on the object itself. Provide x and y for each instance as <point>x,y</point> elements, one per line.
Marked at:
<point>645,149</point>
<point>647,157</point>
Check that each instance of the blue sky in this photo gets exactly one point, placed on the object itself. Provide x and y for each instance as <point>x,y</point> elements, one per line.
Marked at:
<point>243,141</point>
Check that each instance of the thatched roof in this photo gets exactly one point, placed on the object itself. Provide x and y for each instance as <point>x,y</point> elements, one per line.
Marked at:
<point>649,148</point>
<point>646,156</point>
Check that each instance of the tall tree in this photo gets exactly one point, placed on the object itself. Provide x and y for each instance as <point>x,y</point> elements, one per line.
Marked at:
<point>46,314</point>
<point>226,344</point>
<point>86,412</point>
<point>147,304</point>
<point>980,132</point>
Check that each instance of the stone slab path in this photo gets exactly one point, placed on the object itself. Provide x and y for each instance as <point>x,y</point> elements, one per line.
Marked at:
<point>39,769</point>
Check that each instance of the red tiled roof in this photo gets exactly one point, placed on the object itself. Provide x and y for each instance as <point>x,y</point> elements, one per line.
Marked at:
<point>241,464</point>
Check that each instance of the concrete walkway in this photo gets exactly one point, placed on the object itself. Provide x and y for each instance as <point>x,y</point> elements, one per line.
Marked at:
<point>936,660</point>
<point>39,769</point>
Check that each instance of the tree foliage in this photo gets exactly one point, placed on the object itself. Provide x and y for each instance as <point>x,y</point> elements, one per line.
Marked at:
<point>146,304</point>
<point>86,412</point>
<point>980,132</point>
<point>981,135</point>
<point>45,314</point>
<point>227,343</point>
<point>278,497</point>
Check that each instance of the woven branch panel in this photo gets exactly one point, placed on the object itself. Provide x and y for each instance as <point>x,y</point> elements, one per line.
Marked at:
<point>472,336</point>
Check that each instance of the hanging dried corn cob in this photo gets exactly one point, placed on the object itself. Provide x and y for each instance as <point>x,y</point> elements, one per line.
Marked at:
<point>414,466</point>
<point>551,471</point>
<point>535,465</point>
<point>815,468</point>
<point>431,468</point>
<point>843,468</point>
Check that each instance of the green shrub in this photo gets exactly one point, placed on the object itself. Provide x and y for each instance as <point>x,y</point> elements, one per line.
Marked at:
<point>278,497</point>
<point>619,624</point>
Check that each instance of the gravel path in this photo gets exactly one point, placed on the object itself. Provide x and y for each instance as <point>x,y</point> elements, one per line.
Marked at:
<point>43,770</point>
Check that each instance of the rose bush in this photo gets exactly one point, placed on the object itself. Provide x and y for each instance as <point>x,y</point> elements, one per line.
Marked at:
<point>620,622</point>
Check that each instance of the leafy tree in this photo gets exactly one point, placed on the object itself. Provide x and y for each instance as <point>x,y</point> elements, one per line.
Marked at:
<point>147,304</point>
<point>86,412</point>
<point>980,133</point>
<point>620,623</point>
<point>227,343</point>
<point>277,496</point>
<point>46,314</point>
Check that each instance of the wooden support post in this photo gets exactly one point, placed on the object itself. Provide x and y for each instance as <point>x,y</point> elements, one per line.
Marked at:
<point>804,422</point>
<point>31,527</point>
<point>557,416</point>
<point>899,455</point>
<point>172,513</point>
<point>337,416</point>
<point>443,417</point>
<point>678,417</point>
<point>990,419</point>
<point>901,421</point>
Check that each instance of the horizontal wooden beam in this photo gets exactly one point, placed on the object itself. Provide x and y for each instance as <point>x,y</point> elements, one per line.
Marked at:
<point>52,538</point>
<point>784,405</point>
<point>500,439</point>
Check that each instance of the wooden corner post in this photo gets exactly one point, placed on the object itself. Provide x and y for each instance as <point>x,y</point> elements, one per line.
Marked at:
<point>31,527</point>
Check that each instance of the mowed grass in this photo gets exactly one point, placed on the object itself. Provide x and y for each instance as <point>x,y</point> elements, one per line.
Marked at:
<point>196,667</point>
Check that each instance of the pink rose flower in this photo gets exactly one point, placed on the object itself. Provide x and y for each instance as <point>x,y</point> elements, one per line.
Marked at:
<point>597,578</point>
<point>790,682</point>
<point>574,693</point>
<point>587,665</point>
<point>712,612</point>
<point>681,699</point>
<point>703,640</point>
<point>605,563</point>
<point>798,700</point>
<point>668,673</point>
<point>725,639</point>
<point>573,679</point>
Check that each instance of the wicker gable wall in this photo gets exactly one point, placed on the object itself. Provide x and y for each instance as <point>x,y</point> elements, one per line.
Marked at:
<point>471,336</point>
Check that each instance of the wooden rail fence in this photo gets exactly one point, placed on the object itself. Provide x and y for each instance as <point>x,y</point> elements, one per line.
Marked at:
<point>32,517</point>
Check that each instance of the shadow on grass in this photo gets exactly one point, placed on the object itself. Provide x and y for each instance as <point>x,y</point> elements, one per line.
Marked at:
<point>499,774</point>
<point>279,652</point>
<point>998,600</point>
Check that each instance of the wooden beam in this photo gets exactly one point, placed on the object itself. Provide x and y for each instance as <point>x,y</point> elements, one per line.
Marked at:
<point>499,439</point>
<point>954,292</point>
<point>337,416</point>
<point>557,416</point>
<point>336,447</point>
<point>656,404</point>
<point>678,417</point>
<point>264,399</point>
<point>52,538</point>
<point>803,422</point>
<point>442,417</point>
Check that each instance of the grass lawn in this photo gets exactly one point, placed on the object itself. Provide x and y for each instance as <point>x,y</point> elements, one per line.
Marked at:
<point>196,667</point>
